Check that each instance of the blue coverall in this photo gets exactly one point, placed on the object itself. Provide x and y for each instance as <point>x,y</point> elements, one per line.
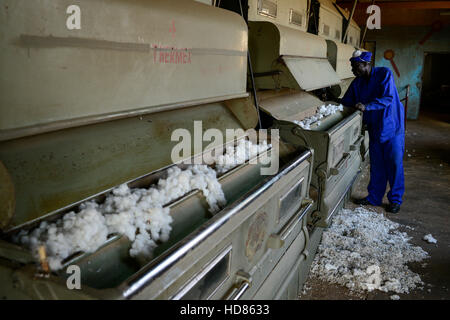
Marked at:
<point>384,116</point>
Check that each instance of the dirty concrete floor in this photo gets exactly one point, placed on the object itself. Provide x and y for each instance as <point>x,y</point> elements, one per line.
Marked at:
<point>425,208</point>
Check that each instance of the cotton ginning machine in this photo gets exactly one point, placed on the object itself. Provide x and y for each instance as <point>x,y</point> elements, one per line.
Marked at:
<point>292,69</point>
<point>338,52</point>
<point>89,113</point>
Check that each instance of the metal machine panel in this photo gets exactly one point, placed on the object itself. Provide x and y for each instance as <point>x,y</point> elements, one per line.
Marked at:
<point>126,58</point>
<point>302,44</point>
<point>311,73</point>
<point>344,85</point>
<point>204,284</point>
<point>288,229</point>
<point>289,201</point>
<point>353,36</point>
<point>343,138</point>
<point>208,2</point>
<point>274,287</point>
<point>330,21</point>
<point>337,190</point>
<point>315,237</point>
<point>335,174</point>
<point>288,13</point>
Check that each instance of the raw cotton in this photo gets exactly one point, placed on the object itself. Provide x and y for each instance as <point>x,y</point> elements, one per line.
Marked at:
<point>322,112</point>
<point>140,214</point>
<point>235,156</point>
<point>364,251</point>
<point>83,231</point>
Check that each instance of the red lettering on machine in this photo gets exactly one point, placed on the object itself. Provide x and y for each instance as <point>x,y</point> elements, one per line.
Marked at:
<point>171,55</point>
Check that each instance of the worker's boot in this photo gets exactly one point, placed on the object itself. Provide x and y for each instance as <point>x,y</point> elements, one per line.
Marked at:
<point>363,202</point>
<point>393,207</point>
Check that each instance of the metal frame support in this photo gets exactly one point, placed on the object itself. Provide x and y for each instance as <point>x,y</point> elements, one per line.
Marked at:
<point>349,21</point>
<point>249,61</point>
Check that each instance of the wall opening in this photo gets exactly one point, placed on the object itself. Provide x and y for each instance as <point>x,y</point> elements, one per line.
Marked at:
<point>313,20</point>
<point>435,84</point>
<point>235,6</point>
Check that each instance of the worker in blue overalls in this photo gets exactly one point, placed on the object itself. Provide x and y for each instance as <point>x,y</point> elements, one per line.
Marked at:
<point>374,93</point>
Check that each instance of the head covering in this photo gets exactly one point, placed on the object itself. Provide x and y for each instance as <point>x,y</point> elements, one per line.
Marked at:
<point>361,56</point>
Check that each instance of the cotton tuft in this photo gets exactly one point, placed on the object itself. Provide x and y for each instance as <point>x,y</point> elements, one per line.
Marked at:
<point>139,214</point>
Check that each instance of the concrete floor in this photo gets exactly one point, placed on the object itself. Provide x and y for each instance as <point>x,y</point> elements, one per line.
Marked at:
<point>425,208</point>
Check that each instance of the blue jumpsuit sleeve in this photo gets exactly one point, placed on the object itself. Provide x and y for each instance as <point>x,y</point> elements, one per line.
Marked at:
<point>349,98</point>
<point>385,95</point>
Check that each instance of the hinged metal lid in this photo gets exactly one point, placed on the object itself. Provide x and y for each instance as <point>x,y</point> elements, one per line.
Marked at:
<point>127,57</point>
<point>310,72</point>
<point>291,14</point>
<point>330,21</point>
<point>289,105</point>
<point>304,58</point>
<point>339,55</point>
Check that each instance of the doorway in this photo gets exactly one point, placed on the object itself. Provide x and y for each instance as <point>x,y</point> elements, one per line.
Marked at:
<point>436,84</point>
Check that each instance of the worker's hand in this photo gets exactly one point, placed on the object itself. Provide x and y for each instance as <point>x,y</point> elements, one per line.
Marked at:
<point>360,106</point>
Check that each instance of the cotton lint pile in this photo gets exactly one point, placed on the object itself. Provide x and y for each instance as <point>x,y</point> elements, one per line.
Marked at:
<point>140,214</point>
<point>364,251</point>
<point>322,112</point>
